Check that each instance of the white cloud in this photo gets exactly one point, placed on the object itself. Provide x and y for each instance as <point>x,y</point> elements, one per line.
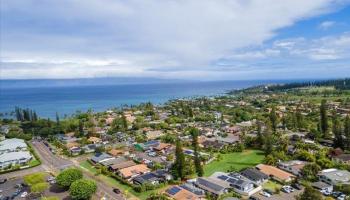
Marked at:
<point>326,25</point>
<point>125,38</point>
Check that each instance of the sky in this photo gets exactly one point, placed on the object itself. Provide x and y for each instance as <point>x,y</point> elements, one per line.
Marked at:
<point>175,39</point>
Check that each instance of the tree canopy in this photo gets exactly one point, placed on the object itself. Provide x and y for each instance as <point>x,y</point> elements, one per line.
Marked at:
<point>82,189</point>
<point>68,176</point>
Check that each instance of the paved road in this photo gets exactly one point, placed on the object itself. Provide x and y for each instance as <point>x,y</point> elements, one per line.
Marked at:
<point>54,164</point>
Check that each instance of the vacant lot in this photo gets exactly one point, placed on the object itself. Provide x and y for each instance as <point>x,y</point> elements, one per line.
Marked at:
<point>236,161</point>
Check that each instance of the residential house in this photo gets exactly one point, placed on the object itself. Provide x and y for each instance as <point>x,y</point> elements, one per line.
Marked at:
<point>292,166</point>
<point>113,161</point>
<point>193,189</point>
<point>133,171</point>
<point>179,193</point>
<point>229,139</point>
<point>74,151</point>
<point>66,139</point>
<point>232,129</point>
<point>255,176</point>
<point>117,166</point>
<point>334,176</point>
<point>239,183</point>
<point>148,178</point>
<point>275,173</point>
<point>342,158</point>
<point>211,186</point>
<point>100,157</point>
<point>14,158</point>
<point>71,145</point>
<point>12,145</point>
<point>5,129</point>
<point>116,152</point>
<point>95,140</point>
<point>154,134</point>
<point>147,145</point>
<point>212,144</point>
<point>109,120</point>
<point>322,186</point>
<point>163,175</point>
<point>162,147</point>
<point>90,148</point>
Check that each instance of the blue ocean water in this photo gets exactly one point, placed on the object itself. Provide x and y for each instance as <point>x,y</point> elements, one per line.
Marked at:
<point>47,98</point>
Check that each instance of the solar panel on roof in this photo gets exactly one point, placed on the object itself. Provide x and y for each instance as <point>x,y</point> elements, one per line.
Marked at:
<point>231,180</point>
<point>192,189</point>
<point>223,177</point>
<point>173,190</point>
<point>209,184</point>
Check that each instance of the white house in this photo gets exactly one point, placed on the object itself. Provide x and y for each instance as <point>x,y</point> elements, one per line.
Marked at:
<point>12,145</point>
<point>14,158</point>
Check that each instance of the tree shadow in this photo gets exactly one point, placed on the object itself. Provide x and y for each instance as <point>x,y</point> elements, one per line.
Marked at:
<point>57,189</point>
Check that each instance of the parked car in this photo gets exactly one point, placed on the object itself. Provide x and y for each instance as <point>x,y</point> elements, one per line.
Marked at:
<point>269,191</point>
<point>253,198</point>
<point>326,192</point>
<point>152,154</point>
<point>24,194</point>
<point>341,197</point>
<point>297,186</point>
<point>3,180</point>
<point>336,194</point>
<point>265,194</point>
<point>287,189</point>
<point>115,190</point>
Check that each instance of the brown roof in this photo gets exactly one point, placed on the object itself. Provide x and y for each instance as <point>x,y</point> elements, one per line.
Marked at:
<point>70,134</point>
<point>72,144</point>
<point>335,152</point>
<point>162,146</point>
<point>94,139</point>
<point>123,165</point>
<point>183,195</point>
<point>274,171</point>
<point>116,152</point>
<point>133,170</point>
<point>344,157</point>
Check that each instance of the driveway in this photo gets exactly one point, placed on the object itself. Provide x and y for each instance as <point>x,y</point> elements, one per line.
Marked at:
<point>280,196</point>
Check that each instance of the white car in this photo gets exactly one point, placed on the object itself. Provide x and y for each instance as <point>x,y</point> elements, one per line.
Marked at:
<point>265,194</point>
<point>287,189</point>
<point>341,197</point>
<point>24,194</point>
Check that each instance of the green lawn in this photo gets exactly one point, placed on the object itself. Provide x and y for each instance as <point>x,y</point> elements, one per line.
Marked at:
<point>115,183</point>
<point>272,185</point>
<point>236,160</point>
<point>34,163</point>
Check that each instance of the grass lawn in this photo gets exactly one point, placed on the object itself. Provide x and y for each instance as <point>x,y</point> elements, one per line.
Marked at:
<point>115,183</point>
<point>34,163</point>
<point>236,160</point>
<point>272,185</point>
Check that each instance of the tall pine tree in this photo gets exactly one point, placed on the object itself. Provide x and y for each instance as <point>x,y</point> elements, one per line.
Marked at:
<point>337,131</point>
<point>273,119</point>
<point>197,159</point>
<point>347,132</point>
<point>324,118</point>
<point>179,165</point>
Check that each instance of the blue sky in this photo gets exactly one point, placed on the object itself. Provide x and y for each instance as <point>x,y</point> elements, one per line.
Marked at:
<point>175,39</point>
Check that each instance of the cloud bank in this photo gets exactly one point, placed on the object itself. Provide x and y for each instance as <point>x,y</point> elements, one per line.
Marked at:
<point>192,39</point>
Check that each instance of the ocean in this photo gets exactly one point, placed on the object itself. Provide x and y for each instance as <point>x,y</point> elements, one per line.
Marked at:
<point>47,97</point>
